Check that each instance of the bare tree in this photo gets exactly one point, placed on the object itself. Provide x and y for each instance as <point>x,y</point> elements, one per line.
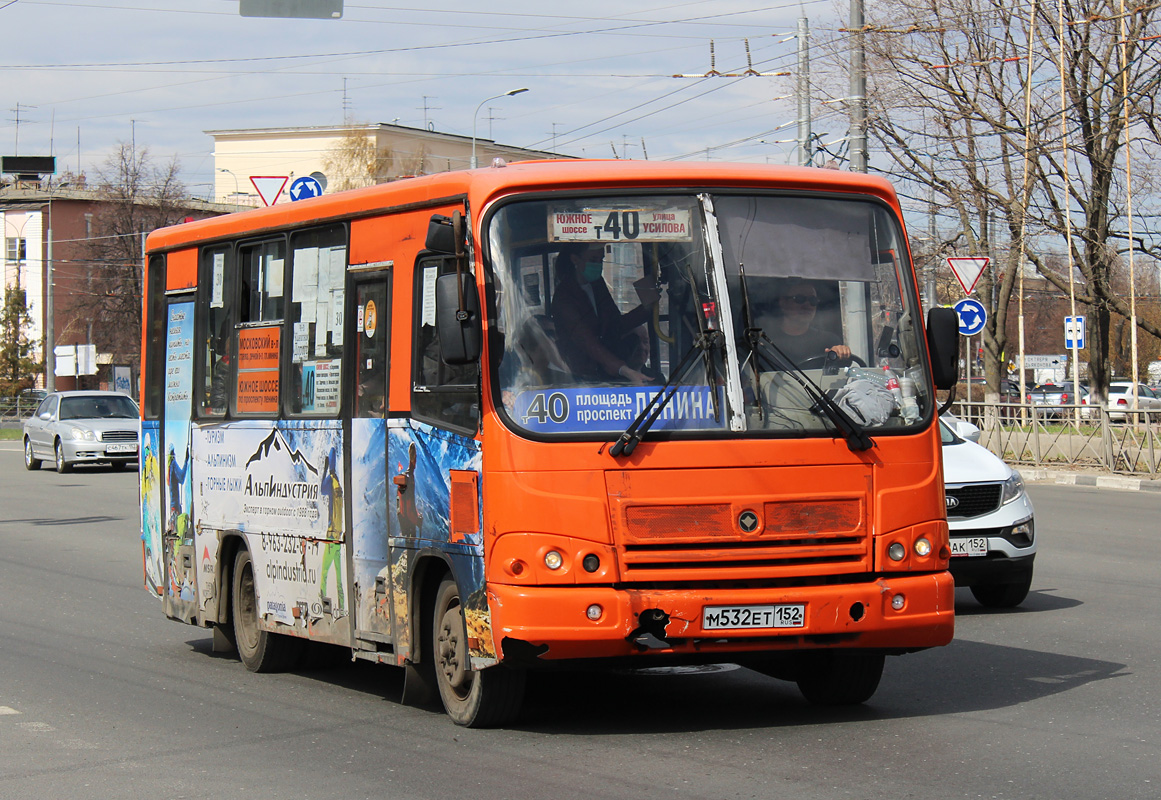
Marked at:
<point>948,106</point>
<point>356,161</point>
<point>136,196</point>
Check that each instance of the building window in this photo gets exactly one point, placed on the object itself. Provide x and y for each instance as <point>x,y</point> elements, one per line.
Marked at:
<point>16,249</point>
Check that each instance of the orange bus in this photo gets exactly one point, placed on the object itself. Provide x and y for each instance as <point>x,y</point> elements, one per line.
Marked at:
<point>584,412</point>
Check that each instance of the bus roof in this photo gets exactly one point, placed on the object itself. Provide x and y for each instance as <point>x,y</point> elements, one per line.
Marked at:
<point>484,184</point>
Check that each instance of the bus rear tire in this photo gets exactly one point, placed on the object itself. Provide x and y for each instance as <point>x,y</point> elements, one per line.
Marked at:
<point>474,699</point>
<point>840,678</point>
<point>260,650</point>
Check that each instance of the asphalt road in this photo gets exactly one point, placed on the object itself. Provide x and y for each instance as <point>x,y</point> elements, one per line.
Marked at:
<point>101,697</point>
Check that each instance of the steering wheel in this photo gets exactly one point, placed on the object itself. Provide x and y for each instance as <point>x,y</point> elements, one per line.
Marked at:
<point>827,359</point>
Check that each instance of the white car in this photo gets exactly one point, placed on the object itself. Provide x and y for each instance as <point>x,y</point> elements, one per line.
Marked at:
<point>993,534</point>
<point>1120,400</point>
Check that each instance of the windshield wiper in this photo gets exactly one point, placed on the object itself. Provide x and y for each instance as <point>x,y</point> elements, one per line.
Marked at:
<point>706,341</point>
<point>856,436</point>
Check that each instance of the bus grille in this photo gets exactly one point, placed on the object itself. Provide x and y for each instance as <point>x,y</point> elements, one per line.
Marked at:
<point>678,542</point>
<point>119,436</point>
<point>974,499</point>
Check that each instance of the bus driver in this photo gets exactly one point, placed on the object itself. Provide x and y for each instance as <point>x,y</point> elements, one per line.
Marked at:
<point>597,341</point>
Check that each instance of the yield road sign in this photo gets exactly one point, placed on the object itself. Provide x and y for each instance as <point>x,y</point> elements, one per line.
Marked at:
<point>269,187</point>
<point>972,316</point>
<point>305,188</point>
<point>968,270</point>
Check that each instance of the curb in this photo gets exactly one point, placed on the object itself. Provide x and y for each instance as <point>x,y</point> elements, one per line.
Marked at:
<point>1037,475</point>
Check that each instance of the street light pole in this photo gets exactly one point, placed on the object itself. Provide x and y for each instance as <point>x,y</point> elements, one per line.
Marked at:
<point>235,177</point>
<point>477,114</point>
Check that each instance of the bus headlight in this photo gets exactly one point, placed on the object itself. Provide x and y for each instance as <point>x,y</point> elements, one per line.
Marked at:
<point>553,559</point>
<point>896,551</point>
<point>922,547</point>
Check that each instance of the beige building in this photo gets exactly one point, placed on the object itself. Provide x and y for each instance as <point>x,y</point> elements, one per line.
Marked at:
<point>346,156</point>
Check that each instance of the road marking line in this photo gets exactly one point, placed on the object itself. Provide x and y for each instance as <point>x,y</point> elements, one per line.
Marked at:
<point>5,710</point>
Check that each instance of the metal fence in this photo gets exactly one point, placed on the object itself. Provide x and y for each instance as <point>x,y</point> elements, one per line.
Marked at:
<point>1127,442</point>
<point>16,409</point>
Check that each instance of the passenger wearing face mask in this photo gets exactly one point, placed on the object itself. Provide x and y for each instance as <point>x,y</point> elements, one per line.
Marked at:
<point>597,341</point>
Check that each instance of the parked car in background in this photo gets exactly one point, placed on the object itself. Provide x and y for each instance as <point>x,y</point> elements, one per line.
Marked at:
<point>974,390</point>
<point>82,427</point>
<point>1051,399</point>
<point>1120,400</point>
<point>991,522</point>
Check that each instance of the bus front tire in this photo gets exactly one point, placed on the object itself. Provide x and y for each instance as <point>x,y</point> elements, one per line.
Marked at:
<point>474,699</point>
<point>840,678</point>
<point>259,650</point>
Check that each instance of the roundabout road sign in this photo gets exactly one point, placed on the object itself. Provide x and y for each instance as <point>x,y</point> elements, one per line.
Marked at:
<point>972,316</point>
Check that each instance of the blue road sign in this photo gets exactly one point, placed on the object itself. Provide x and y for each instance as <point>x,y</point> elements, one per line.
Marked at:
<point>304,188</point>
<point>1074,332</point>
<point>972,316</point>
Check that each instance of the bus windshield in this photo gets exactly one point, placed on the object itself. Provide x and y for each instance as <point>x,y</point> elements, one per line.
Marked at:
<point>747,308</point>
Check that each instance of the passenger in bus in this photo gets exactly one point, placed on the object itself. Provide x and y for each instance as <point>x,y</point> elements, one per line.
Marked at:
<point>789,322</point>
<point>220,377</point>
<point>597,341</point>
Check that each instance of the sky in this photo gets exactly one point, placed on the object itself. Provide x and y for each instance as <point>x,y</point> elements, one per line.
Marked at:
<point>84,77</point>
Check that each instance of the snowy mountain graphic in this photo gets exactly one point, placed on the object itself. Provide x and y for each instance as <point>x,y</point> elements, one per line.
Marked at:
<point>276,445</point>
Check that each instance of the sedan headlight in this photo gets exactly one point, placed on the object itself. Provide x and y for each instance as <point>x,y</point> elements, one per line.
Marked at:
<point>83,434</point>
<point>1013,488</point>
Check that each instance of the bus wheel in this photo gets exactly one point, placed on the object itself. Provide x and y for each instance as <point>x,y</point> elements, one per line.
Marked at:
<point>480,699</point>
<point>260,650</point>
<point>847,678</point>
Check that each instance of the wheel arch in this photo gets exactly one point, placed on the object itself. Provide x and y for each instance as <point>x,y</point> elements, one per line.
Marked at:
<point>428,570</point>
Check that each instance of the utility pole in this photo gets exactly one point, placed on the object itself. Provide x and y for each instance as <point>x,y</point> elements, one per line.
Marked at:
<point>853,293</point>
<point>804,141</point>
<point>49,332</point>
<point>858,89</point>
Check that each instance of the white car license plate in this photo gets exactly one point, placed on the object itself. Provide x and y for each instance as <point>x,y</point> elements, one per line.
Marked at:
<point>121,448</point>
<point>782,615</point>
<point>970,546</point>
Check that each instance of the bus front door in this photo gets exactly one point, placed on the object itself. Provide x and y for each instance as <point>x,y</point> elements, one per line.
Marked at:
<point>177,511</point>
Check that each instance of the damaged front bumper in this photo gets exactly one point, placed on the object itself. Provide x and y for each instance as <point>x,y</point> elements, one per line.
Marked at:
<point>897,612</point>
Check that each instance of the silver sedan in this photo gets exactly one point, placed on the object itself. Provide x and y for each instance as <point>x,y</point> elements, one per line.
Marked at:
<point>82,427</point>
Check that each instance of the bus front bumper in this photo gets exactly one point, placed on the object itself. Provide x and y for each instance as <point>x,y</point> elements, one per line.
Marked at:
<point>898,612</point>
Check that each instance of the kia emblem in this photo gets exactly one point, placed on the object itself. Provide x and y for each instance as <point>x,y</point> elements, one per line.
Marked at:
<point>952,502</point>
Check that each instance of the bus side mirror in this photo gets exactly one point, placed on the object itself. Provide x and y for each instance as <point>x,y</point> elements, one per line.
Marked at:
<point>444,234</point>
<point>943,345</point>
<point>459,330</point>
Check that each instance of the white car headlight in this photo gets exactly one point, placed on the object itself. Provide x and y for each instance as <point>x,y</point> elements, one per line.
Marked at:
<point>82,434</point>
<point>1013,488</point>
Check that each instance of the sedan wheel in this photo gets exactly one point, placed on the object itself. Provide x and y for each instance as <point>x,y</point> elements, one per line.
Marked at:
<point>62,466</point>
<point>30,460</point>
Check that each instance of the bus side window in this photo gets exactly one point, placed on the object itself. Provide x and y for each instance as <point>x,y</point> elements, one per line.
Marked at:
<point>442,394</point>
<point>155,340</point>
<point>318,270</point>
<point>215,330</point>
<point>256,343</point>
<point>263,270</point>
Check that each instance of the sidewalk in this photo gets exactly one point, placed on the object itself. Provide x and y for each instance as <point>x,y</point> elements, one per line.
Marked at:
<point>1101,480</point>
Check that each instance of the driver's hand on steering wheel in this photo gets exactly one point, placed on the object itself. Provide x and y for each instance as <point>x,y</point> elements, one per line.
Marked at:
<point>841,350</point>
